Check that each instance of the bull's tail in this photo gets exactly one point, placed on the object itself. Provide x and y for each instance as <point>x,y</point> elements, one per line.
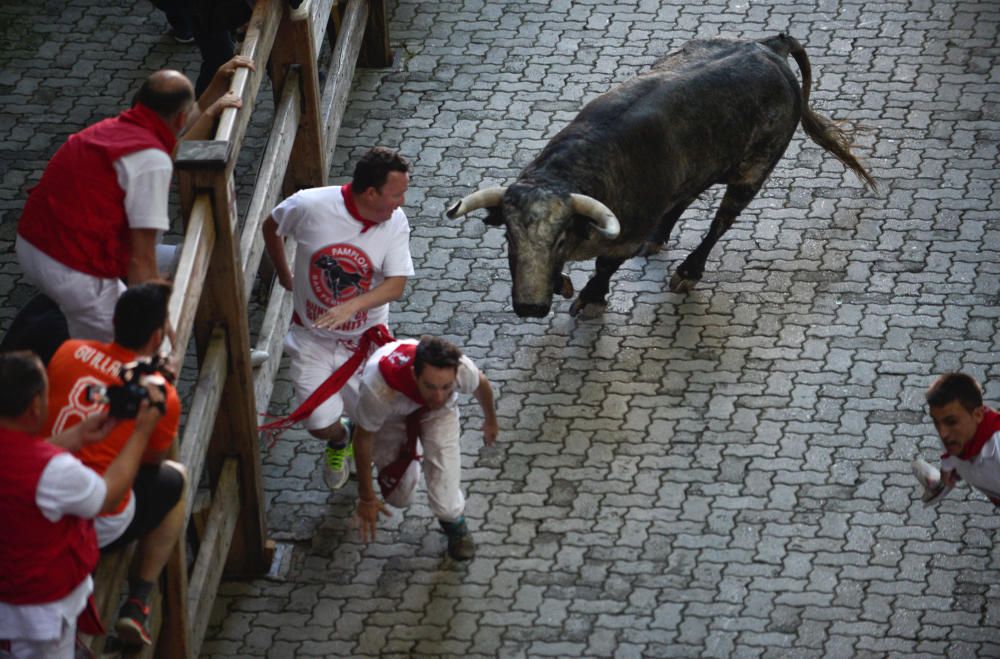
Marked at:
<point>833,136</point>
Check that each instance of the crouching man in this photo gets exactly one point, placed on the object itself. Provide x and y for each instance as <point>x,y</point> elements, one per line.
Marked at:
<point>49,499</point>
<point>152,512</point>
<point>409,391</point>
<point>970,435</point>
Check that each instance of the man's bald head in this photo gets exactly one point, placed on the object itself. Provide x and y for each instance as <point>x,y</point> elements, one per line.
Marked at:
<point>166,92</point>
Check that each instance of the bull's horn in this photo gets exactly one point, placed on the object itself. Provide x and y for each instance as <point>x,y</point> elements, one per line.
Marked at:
<point>604,220</point>
<point>486,198</point>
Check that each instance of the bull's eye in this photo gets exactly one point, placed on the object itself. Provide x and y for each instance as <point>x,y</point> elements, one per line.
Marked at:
<point>560,243</point>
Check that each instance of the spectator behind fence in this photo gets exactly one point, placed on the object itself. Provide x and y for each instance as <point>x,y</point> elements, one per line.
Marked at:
<point>970,436</point>
<point>153,511</point>
<point>96,215</point>
<point>47,501</point>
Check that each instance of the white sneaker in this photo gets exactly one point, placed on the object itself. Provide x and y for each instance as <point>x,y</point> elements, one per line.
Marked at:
<point>337,467</point>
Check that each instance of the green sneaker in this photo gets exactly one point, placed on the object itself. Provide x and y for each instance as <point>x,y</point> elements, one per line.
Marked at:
<point>338,468</point>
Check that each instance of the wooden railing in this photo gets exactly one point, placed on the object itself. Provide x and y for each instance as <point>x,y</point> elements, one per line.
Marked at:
<point>218,264</point>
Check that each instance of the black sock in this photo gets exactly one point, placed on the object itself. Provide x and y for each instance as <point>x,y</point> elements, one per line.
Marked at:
<point>140,589</point>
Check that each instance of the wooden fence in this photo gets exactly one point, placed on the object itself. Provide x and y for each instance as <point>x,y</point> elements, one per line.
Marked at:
<point>219,261</point>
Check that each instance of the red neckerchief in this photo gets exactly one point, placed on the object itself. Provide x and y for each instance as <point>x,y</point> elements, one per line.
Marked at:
<point>352,208</point>
<point>989,426</point>
<point>397,370</point>
<point>141,115</point>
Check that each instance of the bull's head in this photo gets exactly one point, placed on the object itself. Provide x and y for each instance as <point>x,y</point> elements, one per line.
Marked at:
<point>543,230</point>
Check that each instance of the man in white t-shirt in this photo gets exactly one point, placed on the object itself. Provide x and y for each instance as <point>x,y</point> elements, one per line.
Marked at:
<point>49,499</point>
<point>352,259</point>
<point>96,215</point>
<point>409,392</point>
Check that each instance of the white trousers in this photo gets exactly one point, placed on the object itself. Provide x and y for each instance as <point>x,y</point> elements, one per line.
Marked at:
<point>88,302</point>
<point>441,463</point>
<point>312,360</point>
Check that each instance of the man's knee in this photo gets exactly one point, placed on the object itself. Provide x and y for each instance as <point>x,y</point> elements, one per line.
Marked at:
<point>173,480</point>
<point>332,433</point>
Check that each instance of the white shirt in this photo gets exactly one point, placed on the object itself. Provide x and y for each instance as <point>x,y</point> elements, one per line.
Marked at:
<point>144,176</point>
<point>66,487</point>
<point>378,402</point>
<point>981,472</point>
<point>336,261</point>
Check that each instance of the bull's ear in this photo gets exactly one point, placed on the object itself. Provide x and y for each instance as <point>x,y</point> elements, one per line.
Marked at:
<point>494,217</point>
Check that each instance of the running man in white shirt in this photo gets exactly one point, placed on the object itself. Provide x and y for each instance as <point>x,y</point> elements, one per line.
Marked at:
<point>409,391</point>
<point>352,260</point>
<point>970,435</point>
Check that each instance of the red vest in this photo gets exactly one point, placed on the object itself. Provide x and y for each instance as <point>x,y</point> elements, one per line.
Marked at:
<point>40,561</point>
<point>76,213</point>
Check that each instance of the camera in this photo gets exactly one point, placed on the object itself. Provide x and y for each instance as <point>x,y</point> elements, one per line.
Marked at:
<point>124,399</point>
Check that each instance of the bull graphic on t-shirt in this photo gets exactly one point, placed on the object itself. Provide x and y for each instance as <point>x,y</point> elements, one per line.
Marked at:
<point>337,279</point>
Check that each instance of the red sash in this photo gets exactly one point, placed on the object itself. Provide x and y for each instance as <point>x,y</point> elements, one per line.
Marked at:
<point>376,335</point>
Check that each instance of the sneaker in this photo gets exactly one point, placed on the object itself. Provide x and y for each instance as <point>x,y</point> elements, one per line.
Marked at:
<point>131,625</point>
<point>338,470</point>
<point>181,36</point>
<point>460,544</point>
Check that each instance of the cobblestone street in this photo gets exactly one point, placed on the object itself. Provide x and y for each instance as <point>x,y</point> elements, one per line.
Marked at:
<point>724,473</point>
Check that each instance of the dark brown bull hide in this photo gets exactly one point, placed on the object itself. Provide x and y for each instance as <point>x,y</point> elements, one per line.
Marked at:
<point>613,183</point>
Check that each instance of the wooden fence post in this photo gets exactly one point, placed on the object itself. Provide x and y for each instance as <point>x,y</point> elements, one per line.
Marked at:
<point>375,52</point>
<point>204,168</point>
<point>294,46</point>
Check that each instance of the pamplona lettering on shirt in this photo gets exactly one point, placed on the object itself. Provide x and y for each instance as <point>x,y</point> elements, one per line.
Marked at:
<point>337,273</point>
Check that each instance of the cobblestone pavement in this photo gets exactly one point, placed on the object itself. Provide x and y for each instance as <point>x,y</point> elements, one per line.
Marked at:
<point>719,474</point>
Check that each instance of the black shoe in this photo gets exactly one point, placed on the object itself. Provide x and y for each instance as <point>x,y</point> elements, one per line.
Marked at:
<point>460,544</point>
<point>131,625</point>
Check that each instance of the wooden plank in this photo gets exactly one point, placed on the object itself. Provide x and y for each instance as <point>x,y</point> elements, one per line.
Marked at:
<point>109,579</point>
<point>320,12</point>
<point>202,415</point>
<point>215,545</point>
<point>257,44</point>
<point>192,268</point>
<point>171,634</point>
<point>267,188</point>
<point>272,336</point>
<point>294,47</point>
<point>235,432</point>
<point>340,71</point>
<point>375,52</point>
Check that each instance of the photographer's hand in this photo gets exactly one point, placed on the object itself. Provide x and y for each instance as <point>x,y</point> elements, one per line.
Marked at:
<point>151,409</point>
<point>92,429</point>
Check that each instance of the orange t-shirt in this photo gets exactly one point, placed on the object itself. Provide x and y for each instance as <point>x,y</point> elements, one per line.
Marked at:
<point>78,364</point>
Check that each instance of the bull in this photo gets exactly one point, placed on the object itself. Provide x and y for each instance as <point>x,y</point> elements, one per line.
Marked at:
<point>612,184</point>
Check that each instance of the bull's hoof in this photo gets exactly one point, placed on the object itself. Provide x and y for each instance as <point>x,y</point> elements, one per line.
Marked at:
<point>587,310</point>
<point>649,248</point>
<point>681,284</point>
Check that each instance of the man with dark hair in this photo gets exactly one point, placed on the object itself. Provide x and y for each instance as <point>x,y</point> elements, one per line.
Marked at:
<point>96,215</point>
<point>153,512</point>
<point>409,391</point>
<point>49,498</point>
<point>352,260</point>
<point>970,434</point>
